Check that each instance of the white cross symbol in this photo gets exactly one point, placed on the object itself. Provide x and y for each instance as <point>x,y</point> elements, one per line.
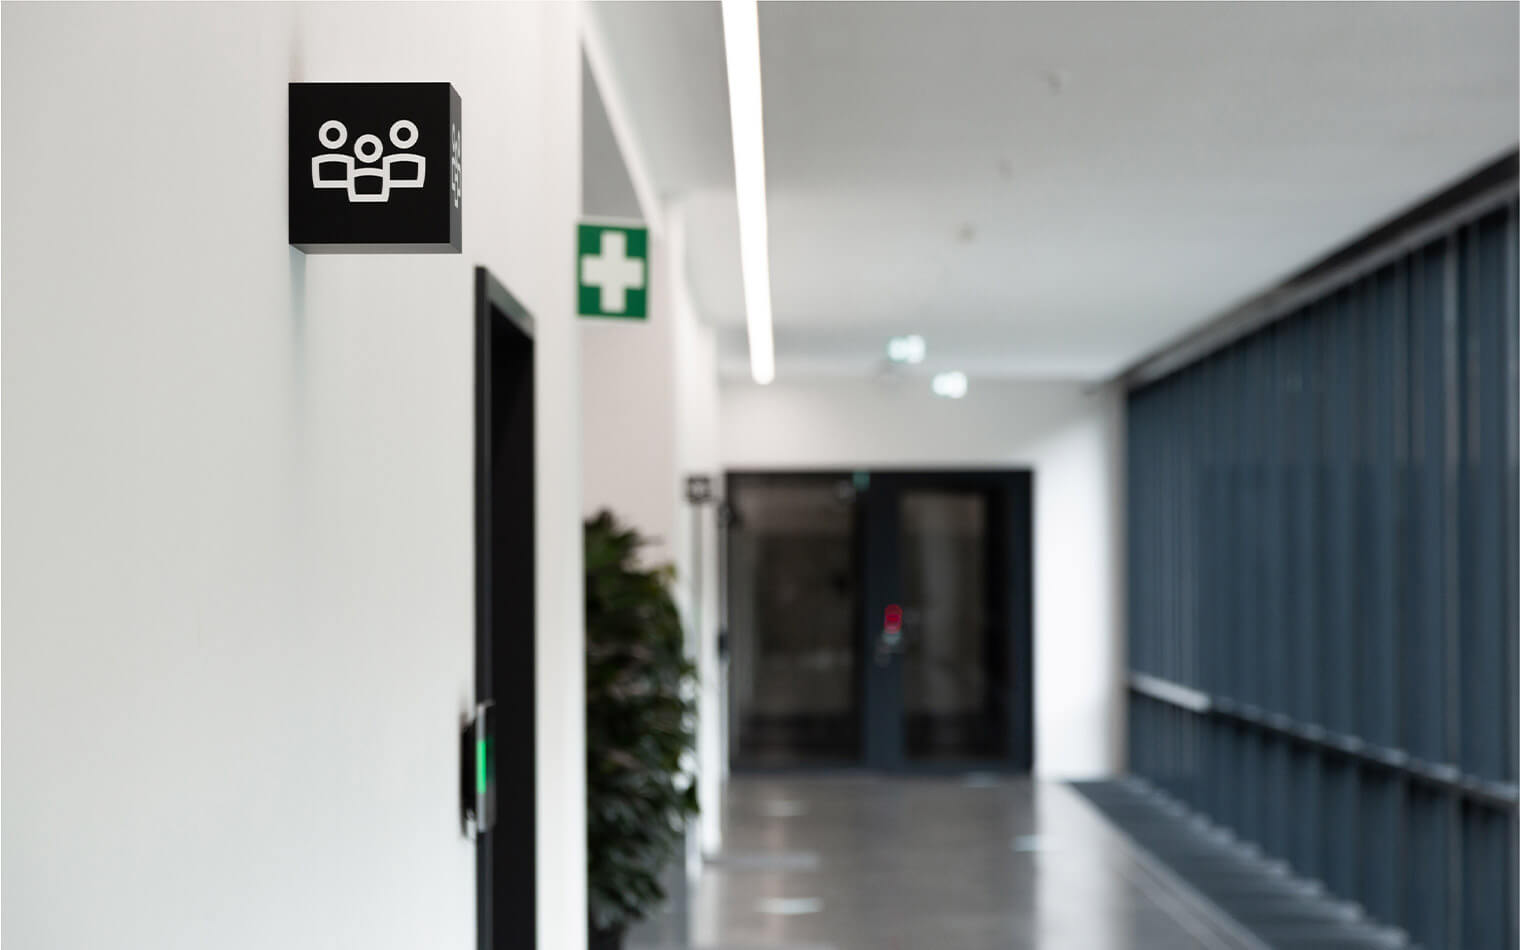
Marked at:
<point>613,271</point>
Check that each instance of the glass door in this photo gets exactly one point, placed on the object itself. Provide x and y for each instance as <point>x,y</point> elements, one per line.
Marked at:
<point>954,667</point>
<point>792,603</point>
<point>880,619</point>
<point>947,602</point>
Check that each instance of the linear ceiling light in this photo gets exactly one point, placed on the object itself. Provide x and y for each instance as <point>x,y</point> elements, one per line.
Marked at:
<point>741,43</point>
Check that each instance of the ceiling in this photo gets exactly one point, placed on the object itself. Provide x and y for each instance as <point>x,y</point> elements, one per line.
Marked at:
<point>606,186</point>
<point>1051,189</point>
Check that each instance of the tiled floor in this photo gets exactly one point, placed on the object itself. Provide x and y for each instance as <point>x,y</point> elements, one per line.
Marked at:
<point>866,863</point>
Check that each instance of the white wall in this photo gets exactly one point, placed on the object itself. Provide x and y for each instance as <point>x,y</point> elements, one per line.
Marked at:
<point>650,418</point>
<point>1071,440</point>
<point>628,416</point>
<point>697,452</point>
<point>238,625</point>
<point>650,405</point>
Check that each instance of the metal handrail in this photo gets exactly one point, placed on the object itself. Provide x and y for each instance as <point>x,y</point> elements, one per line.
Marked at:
<point>1447,776</point>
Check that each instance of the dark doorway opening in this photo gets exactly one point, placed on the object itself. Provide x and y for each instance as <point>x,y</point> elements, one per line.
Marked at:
<point>504,610</point>
<point>793,603</point>
<point>880,619</point>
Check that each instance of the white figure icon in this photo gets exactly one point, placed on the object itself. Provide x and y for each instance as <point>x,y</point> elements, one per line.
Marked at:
<point>370,178</point>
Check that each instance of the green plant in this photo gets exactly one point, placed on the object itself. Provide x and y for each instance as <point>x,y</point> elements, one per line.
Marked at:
<point>640,716</point>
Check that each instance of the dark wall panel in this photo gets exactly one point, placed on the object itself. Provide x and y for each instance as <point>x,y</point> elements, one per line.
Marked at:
<point>1323,549</point>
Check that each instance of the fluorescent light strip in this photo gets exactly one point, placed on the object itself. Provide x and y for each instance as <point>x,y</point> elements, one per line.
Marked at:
<point>741,43</point>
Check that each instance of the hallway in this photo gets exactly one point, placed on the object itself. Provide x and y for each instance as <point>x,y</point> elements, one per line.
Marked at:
<point>862,862</point>
<point>650,475</point>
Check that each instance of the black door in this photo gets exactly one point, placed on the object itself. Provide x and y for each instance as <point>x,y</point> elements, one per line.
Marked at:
<point>880,619</point>
<point>947,679</point>
<point>791,604</point>
<point>504,613</point>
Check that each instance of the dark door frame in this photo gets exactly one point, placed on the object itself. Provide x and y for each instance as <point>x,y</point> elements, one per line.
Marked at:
<point>506,901</point>
<point>1010,493</point>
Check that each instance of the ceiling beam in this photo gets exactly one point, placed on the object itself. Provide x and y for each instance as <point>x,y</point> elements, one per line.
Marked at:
<point>1492,186</point>
<point>594,44</point>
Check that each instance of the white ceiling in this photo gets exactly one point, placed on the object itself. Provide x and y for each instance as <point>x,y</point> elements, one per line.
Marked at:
<point>606,187</point>
<point>1053,189</point>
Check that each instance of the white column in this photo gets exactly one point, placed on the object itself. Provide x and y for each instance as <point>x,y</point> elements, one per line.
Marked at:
<point>697,453</point>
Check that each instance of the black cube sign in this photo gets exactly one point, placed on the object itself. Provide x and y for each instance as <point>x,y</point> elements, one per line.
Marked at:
<point>375,168</point>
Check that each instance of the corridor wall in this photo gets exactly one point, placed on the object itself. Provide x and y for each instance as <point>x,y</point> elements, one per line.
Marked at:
<point>1322,524</point>
<point>649,406</point>
<point>238,484</point>
<point>1067,433</point>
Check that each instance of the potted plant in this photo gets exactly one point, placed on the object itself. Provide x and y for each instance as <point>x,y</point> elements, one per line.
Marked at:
<point>640,725</point>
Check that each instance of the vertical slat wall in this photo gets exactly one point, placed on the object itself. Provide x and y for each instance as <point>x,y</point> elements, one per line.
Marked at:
<point>1322,545</point>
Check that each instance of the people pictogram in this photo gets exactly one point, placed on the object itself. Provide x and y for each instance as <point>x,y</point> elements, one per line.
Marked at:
<point>368,175</point>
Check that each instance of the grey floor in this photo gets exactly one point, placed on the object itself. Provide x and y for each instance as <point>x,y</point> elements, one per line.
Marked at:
<point>867,863</point>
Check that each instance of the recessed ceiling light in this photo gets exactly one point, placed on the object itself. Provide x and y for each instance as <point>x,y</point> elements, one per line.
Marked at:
<point>950,385</point>
<point>906,349</point>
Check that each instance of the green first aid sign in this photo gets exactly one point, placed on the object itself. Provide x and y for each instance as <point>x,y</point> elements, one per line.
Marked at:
<point>612,270</point>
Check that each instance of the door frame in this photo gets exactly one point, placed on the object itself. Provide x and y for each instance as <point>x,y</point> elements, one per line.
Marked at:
<point>505,613</point>
<point>1010,493</point>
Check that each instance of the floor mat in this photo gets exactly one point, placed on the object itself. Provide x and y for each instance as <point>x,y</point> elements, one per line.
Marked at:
<point>1280,910</point>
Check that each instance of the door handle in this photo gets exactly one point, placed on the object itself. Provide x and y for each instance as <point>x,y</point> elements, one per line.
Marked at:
<point>890,640</point>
